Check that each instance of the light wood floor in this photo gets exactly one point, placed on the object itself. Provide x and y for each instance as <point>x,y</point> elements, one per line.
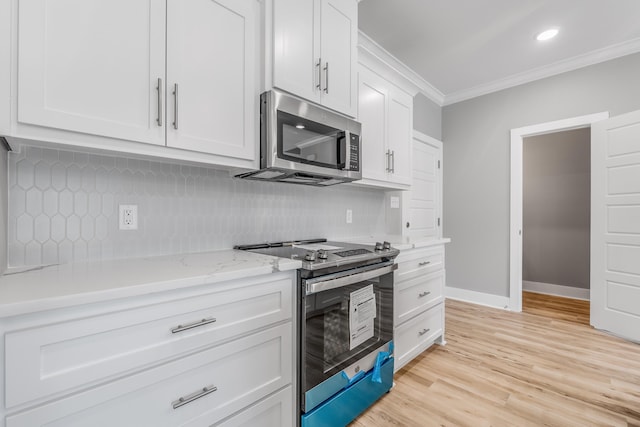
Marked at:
<point>544,366</point>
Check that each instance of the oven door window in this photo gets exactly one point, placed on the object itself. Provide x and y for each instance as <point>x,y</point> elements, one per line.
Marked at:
<point>329,344</point>
<point>304,141</point>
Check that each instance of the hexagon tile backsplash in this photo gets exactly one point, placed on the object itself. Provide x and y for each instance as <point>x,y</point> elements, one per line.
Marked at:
<point>63,207</point>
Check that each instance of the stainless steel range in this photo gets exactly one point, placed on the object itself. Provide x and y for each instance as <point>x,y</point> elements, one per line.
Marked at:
<point>345,325</point>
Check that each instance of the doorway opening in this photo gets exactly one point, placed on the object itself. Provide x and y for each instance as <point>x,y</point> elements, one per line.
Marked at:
<point>517,193</point>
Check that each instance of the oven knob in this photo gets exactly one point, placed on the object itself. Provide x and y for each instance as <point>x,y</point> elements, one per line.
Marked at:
<point>310,256</point>
<point>386,246</point>
<point>379,246</point>
<point>322,254</point>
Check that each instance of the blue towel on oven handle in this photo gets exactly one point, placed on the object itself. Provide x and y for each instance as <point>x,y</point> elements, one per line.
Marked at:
<point>380,359</point>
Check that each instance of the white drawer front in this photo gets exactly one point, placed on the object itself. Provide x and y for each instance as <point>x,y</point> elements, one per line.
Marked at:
<point>418,262</point>
<point>418,334</point>
<point>415,295</point>
<point>65,356</point>
<point>274,411</point>
<point>242,371</point>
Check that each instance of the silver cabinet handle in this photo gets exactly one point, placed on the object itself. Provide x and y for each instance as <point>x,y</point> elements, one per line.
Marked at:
<point>175,106</point>
<point>202,322</point>
<point>159,89</point>
<point>319,65</point>
<point>190,398</point>
<point>422,264</point>
<point>326,78</point>
<point>388,154</point>
<point>393,161</point>
<point>423,294</point>
<point>424,331</point>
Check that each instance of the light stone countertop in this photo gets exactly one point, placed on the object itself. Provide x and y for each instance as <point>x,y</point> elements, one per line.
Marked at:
<point>58,286</point>
<point>401,242</point>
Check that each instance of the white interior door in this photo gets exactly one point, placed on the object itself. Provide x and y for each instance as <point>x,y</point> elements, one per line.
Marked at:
<point>615,225</point>
<point>424,205</point>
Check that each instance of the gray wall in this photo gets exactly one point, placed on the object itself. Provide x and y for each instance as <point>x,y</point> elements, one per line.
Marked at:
<point>427,116</point>
<point>63,207</point>
<point>3,208</point>
<point>476,150</point>
<point>557,208</point>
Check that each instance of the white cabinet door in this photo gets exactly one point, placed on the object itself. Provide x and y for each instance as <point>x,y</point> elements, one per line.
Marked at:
<point>386,114</point>
<point>425,195</point>
<point>400,135</point>
<point>615,225</point>
<point>296,47</point>
<point>92,66</point>
<point>211,76</point>
<point>372,114</point>
<point>339,33</point>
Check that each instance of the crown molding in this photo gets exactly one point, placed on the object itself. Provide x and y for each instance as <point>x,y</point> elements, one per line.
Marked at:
<point>418,84</point>
<point>570,64</point>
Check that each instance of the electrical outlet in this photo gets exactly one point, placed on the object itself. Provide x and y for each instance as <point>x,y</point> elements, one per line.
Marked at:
<point>128,217</point>
<point>349,216</point>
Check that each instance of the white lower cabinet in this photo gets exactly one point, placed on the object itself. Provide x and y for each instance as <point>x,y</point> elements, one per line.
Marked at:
<point>220,353</point>
<point>418,302</point>
<point>275,410</point>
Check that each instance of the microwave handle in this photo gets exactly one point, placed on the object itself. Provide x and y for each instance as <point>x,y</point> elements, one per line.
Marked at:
<point>344,150</point>
<point>314,285</point>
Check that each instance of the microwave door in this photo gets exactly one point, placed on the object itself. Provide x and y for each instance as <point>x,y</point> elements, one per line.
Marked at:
<point>307,142</point>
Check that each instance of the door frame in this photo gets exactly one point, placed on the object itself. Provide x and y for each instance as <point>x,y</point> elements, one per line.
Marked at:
<point>516,211</point>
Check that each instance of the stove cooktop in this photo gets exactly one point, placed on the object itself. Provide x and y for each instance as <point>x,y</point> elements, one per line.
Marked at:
<point>316,254</point>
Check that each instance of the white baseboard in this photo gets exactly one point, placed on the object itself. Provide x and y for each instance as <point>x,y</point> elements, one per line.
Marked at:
<point>558,290</point>
<point>490,300</point>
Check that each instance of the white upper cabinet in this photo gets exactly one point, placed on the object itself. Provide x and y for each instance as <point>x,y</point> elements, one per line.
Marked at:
<point>92,66</point>
<point>315,51</point>
<point>386,114</point>
<point>108,74</point>
<point>400,133</point>
<point>211,90</point>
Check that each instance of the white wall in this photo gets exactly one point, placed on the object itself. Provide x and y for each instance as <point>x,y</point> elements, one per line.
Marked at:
<point>3,207</point>
<point>557,208</point>
<point>63,207</point>
<point>427,116</point>
<point>476,153</point>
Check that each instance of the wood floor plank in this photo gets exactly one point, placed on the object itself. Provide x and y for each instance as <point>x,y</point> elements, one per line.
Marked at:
<point>544,366</point>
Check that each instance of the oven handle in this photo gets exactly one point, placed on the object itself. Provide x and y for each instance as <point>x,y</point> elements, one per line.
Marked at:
<point>320,284</point>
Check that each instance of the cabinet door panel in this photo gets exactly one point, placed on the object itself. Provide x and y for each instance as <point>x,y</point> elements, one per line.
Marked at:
<point>70,66</point>
<point>338,52</point>
<point>296,45</point>
<point>211,56</point>
<point>372,113</point>
<point>400,135</point>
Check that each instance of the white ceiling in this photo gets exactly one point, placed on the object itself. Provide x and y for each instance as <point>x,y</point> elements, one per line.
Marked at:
<point>466,48</point>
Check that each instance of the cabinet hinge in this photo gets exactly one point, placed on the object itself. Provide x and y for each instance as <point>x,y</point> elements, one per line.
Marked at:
<point>438,164</point>
<point>438,222</point>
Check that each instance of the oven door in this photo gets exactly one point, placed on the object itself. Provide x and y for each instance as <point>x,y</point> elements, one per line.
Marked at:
<point>346,319</point>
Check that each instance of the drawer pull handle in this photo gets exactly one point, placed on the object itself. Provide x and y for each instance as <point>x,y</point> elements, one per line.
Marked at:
<point>422,264</point>
<point>202,322</point>
<point>190,398</point>
<point>423,294</point>
<point>424,331</point>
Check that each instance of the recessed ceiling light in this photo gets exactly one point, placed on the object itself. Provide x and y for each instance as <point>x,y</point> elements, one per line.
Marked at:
<point>547,34</point>
<point>299,126</point>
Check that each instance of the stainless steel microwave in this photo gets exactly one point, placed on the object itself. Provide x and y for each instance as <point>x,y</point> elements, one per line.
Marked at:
<point>302,143</point>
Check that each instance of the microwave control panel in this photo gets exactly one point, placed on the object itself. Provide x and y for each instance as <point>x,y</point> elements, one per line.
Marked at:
<point>354,160</point>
